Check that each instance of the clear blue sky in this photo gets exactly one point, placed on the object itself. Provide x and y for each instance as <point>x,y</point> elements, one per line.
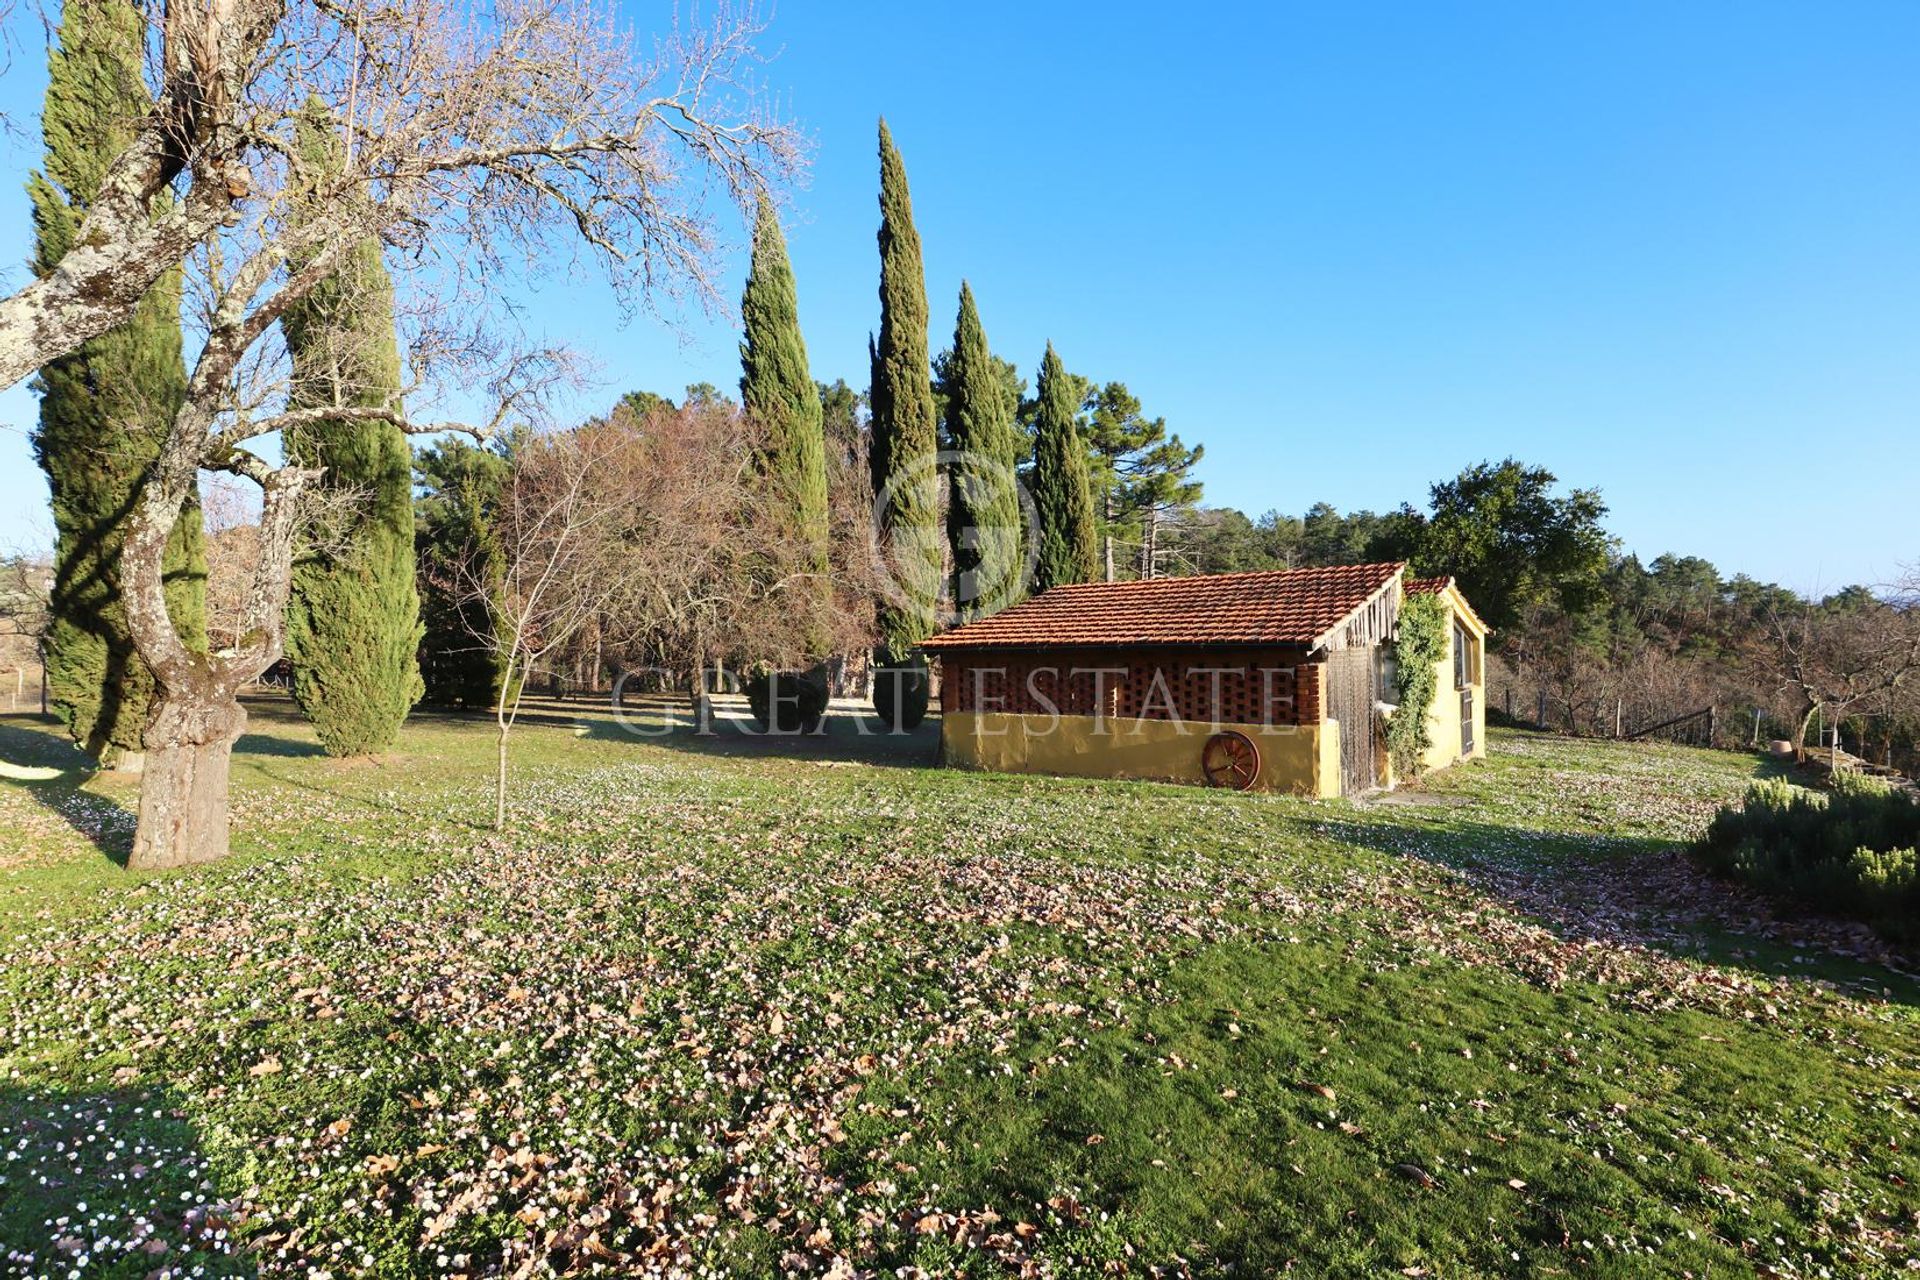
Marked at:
<point>1671,251</point>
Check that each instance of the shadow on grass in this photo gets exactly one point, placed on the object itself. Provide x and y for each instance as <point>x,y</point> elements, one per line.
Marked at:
<point>1644,892</point>
<point>110,1182</point>
<point>846,735</point>
<point>374,803</point>
<point>268,744</point>
<point>48,768</point>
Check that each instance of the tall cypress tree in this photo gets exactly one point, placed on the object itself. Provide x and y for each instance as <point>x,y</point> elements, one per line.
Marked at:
<point>1069,543</point>
<point>983,504</point>
<point>904,440</point>
<point>777,389</point>
<point>105,408</point>
<point>353,617</point>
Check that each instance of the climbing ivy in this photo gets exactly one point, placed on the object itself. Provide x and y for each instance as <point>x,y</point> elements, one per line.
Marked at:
<point>1417,651</point>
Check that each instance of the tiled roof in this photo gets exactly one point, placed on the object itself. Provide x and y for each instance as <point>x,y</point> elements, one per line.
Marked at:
<point>1438,586</point>
<point>1287,606</point>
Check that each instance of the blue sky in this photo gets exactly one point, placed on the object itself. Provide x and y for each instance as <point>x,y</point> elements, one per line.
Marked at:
<point>1669,251</point>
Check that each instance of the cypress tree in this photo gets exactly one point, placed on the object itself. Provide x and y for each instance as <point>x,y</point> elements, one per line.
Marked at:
<point>777,389</point>
<point>353,616</point>
<point>1069,544</point>
<point>457,546</point>
<point>105,408</point>
<point>903,444</point>
<point>983,505</point>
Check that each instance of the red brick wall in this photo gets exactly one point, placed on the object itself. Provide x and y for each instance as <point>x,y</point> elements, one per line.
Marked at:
<point>1258,686</point>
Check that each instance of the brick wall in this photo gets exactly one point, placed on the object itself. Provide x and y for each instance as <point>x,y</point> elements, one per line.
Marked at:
<point>1207,686</point>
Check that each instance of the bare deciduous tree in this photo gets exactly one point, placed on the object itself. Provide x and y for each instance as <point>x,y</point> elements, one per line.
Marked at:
<point>232,519</point>
<point>473,138</point>
<point>553,566</point>
<point>193,145</point>
<point>1832,658</point>
<point>657,534</point>
<point>717,568</point>
<point>26,582</point>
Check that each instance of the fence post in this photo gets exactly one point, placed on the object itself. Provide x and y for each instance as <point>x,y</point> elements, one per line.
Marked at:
<point>1540,719</point>
<point>1713,720</point>
<point>1619,705</point>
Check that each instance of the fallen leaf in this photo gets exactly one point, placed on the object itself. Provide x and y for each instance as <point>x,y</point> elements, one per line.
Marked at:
<point>1415,1174</point>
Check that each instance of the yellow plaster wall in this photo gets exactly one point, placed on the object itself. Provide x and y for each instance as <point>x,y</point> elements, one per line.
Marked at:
<point>1301,760</point>
<point>1443,721</point>
<point>1328,783</point>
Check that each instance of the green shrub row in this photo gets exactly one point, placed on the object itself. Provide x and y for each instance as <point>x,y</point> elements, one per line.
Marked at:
<point>1850,850</point>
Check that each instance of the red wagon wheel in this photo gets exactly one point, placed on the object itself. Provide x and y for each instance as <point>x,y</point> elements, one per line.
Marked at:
<point>1230,760</point>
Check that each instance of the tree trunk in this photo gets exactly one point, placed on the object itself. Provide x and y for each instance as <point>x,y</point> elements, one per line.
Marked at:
<point>1108,529</point>
<point>1800,730</point>
<point>500,781</point>
<point>503,716</point>
<point>183,787</point>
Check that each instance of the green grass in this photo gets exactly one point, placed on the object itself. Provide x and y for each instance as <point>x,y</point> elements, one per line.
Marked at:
<point>764,1007</point>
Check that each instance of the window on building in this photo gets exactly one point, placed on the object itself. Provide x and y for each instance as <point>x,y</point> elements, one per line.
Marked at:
<point>1462,657</point>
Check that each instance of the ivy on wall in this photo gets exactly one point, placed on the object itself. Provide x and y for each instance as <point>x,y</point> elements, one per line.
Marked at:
<point>1417,651</point>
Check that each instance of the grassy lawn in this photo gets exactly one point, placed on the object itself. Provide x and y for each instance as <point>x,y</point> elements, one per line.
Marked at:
<point>757,1008</point>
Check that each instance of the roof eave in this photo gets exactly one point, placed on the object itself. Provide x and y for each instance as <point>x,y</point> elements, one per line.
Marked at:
<point>1393,583</point>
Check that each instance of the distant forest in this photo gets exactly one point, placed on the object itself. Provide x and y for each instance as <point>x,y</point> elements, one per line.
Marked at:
<point>1593,640</point>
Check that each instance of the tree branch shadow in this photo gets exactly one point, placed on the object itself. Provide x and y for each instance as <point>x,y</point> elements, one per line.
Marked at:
<point>50,770</point>
<point>114,1180</point>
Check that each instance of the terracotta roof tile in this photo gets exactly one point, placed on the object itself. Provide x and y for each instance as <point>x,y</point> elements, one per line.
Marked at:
<point>1438,586</point>
<point>1286,606</point>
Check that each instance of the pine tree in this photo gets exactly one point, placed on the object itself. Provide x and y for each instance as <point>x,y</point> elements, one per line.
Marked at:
<point>353,616</point>
<point>105,408</point>
<point>903,445</point>
<point>1140,472</point>
<point>776,388</point>
<point>983,505</point>
<point>1069,550</point>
